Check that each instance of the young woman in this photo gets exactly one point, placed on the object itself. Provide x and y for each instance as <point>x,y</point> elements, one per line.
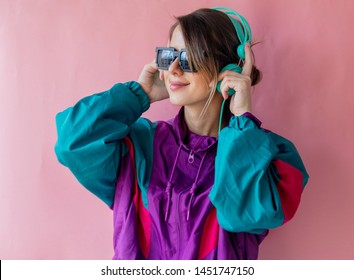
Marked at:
<point>181,189</point>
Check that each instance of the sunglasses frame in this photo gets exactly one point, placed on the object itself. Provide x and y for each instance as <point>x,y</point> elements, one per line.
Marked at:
<point>176,54</point>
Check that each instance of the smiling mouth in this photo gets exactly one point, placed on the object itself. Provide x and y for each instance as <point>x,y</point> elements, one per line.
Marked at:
<point>177,85</point>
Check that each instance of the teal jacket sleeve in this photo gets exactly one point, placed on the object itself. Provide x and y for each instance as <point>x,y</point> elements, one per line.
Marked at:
<point>90,136</point>
<point>259,178</point>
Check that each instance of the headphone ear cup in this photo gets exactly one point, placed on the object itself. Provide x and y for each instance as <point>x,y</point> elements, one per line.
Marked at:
<point>230,67</point>
<point>241,51</point>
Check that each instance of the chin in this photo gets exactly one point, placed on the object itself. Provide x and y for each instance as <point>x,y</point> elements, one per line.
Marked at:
<point>177,99</point>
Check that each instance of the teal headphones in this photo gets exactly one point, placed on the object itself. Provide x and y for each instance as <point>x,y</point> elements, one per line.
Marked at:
<point>244,34</point>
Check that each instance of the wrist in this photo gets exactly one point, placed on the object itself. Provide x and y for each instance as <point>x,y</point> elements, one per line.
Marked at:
<point>242,111</point>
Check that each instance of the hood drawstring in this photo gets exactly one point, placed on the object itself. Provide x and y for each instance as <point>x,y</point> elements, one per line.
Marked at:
<point>194,187</point>
<point>169,183</point>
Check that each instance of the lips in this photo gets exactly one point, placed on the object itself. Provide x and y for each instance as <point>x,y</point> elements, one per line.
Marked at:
<point>175,85</point>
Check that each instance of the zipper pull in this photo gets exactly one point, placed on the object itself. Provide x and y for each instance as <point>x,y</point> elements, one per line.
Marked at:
<point>191,157</point>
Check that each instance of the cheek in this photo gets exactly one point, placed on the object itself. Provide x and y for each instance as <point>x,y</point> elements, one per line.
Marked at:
<point>202,86</point>
<point>202,81</point>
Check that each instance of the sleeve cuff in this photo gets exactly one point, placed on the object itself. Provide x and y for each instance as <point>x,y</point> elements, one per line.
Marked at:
<point>253,118</point>
<point>138,91</point>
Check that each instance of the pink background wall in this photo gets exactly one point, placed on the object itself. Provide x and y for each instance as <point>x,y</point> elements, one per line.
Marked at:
<point>54,52</point>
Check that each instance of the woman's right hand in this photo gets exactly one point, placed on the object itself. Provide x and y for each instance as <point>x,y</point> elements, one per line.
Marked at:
<point>152,83</point>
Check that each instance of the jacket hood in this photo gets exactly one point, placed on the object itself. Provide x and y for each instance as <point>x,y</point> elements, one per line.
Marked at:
<point>189,140</point>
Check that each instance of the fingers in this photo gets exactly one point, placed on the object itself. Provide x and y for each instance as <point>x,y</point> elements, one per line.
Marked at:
<point>224,93</point>
<point>224,86</point>
<point>233,80</point>
<point>148,73</point>
<point>248,65</point>
<point>152,66</point>
<point>238,81</point>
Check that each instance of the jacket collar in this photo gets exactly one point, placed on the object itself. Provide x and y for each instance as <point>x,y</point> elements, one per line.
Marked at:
<point>188,139</point>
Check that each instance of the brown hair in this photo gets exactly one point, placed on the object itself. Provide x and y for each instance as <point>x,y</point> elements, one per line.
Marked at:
<point>211,43</point>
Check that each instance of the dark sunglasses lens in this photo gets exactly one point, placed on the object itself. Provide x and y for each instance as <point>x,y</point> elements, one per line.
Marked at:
<point>164,58</point>
<point>183,62</point>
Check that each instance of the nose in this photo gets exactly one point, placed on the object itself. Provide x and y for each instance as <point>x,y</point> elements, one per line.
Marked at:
<point>175,69</point>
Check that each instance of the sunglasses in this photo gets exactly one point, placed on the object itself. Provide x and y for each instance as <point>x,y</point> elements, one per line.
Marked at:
<point>166,56</point>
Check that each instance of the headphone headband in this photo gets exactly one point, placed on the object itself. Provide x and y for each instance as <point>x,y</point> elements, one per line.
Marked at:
<point>242,27</point>
<point>244,34</point>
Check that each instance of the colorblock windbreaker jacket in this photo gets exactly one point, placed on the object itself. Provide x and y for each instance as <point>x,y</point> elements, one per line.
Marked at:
<point>175,194</point>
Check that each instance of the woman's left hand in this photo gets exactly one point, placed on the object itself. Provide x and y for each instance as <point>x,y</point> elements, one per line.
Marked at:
<point>241,101</point>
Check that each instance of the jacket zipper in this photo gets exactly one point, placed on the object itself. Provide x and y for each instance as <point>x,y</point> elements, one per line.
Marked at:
<point>179,221</point>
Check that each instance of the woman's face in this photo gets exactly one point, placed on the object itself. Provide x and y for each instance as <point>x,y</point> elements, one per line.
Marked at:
<point>184,88</point>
